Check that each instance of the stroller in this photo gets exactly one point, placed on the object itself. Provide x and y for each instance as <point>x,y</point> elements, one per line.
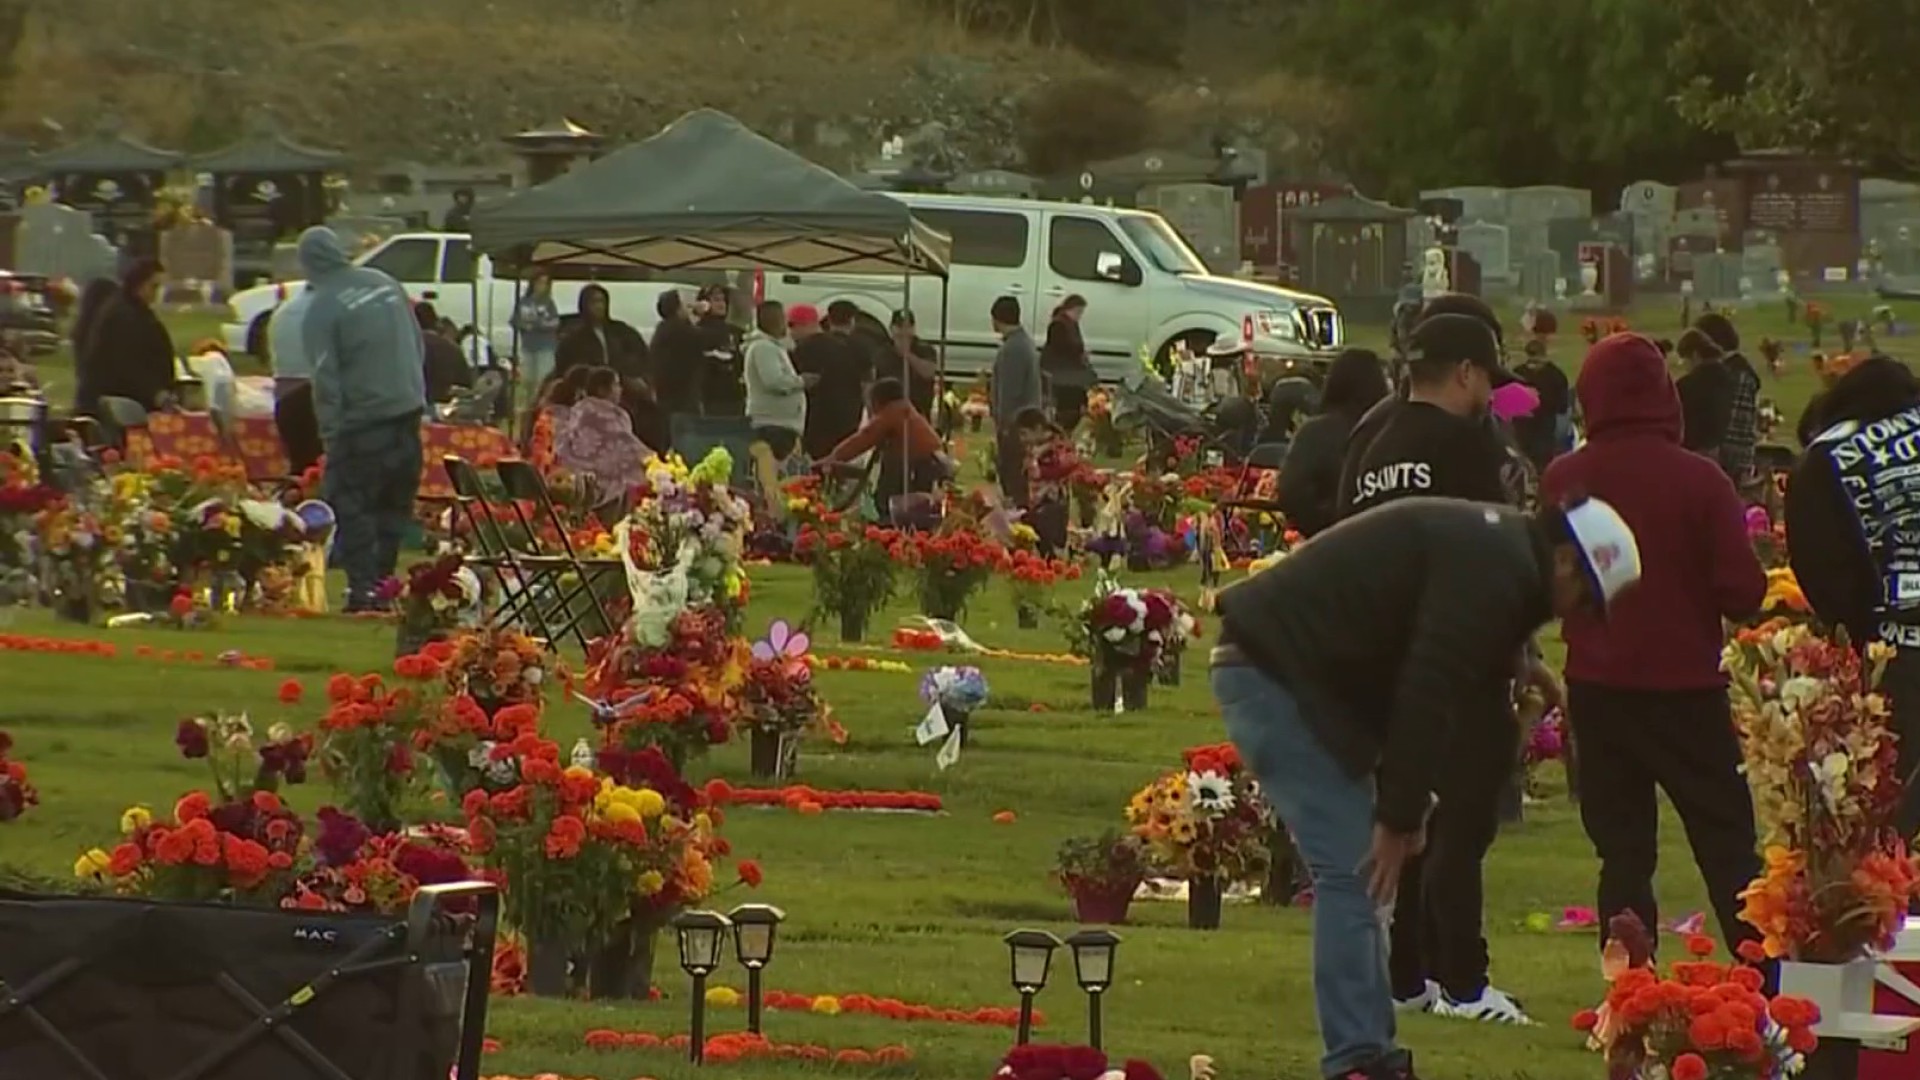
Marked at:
<point>1144,402</point>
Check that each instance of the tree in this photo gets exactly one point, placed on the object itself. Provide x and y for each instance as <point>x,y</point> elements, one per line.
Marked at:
<point>1833,76</point>
<point>1068,124</point>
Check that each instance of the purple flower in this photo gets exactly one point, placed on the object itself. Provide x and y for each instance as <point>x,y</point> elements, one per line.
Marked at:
<point>341,836</point>
<point>191,738</point>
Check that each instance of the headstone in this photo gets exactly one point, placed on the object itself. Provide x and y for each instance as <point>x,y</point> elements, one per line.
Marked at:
<point>200,254</point>
<point>1716,277</point>
<point>1487,243</point>
<point>1476,203</point>
<point>1566,235</point>
<point>1900,248</point>
<point>1530,209</point>
<point>1761,261</point>
<point>59,241</point>
<point>1206,214</point>
<point>1886,204</point>
<point>1652,206</point>
<point>1539,273</point>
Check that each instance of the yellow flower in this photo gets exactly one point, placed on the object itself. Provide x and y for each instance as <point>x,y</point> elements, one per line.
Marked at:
<point>649,803</point>
<point>135,818</point>
<point>92,866</point>
<point>621,813</point>
<point>724,997</point>
<point>1183,831</point>
<point>826,1005</point>
<point>650,883</point>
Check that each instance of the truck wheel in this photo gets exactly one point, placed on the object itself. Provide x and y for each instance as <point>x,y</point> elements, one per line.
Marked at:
<point>1197,341</point>
<point>257,337</point>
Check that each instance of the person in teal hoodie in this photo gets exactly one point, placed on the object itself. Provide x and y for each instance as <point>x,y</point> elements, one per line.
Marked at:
<point>369,394</point>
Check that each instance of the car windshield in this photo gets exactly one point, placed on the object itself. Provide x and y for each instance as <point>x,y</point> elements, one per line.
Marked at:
<point>1162,243</point>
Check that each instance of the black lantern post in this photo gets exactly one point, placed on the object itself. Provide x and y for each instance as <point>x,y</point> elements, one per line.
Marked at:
<point>703,943</point>
<point>754,927</point>
<point>1093,969</point>
<point>1031,952</point>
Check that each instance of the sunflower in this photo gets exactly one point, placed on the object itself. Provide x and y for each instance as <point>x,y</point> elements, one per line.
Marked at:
<point>1210,793</point>
<point>1183,831</point>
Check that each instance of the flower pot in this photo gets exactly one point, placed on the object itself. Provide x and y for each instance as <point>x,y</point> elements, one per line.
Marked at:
<point>1096,905</point>
<point>853,626</point>
<point>1106,687</point>
<point>1028,618</point>
<point>1133,690</point>
<point>973,422</point>
<point>958,720</point>
<point>1203,903</point>
<point>623,967</point>
<point>547,964</point>
<point>939,608</point>
<point>408,640</point>
<point>773,754</point>
<point>1168,673</point>
<point>74,606</point>
<point>1084,508</point>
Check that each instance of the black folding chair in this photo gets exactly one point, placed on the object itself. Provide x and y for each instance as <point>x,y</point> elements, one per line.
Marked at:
<point>114,988</point>
<point>524,484</point>
<point>523,577</point>
<point>1266,457</point>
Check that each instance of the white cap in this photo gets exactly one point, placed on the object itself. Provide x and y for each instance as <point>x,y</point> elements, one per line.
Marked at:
<point>1607,547</point>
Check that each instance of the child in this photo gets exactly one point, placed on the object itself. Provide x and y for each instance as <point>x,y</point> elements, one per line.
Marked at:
<point>892,419</point>
<point>1050,464</point>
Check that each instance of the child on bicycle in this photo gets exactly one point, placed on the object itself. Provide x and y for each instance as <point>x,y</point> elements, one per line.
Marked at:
<point>892,420</point>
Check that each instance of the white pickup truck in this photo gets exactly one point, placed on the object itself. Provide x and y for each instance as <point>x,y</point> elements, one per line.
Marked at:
<point>442,269</point>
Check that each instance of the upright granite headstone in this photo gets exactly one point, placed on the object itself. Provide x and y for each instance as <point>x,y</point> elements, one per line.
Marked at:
<point>1487,243</point>
<point>1476,203</point>
<point>1716,277</point>
<point>1531,209</point>
<point>59,241</point>
<point>200,254</point>
<point>1761,261</point>
<point>1652,206</point>
<point>1539,276</point>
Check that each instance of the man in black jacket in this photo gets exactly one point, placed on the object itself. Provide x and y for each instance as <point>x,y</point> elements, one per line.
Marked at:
<point>1853,527</point>
<point>1350,675</point>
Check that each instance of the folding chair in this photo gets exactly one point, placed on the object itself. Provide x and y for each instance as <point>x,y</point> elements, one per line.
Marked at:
<point>524,484</point>
<point>523,576</point>
<point>109,988</point>
<point>1246,497</point>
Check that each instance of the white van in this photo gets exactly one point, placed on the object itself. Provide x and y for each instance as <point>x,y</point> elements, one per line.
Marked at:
<point>1143,284</point>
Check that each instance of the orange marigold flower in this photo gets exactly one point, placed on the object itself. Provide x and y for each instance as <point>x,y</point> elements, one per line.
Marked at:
<point>1689,1067</point>
<point>1586,1020</point>
<point>750,874</point>
<point>1005,817</point>
<point>1699,945</point>
<point>291,691</point>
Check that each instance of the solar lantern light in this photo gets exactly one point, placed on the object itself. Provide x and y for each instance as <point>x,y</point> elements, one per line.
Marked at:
<point>1031,953</point>
<point>1093,969</point>
<point>755,927</point>
<point>703,943</point>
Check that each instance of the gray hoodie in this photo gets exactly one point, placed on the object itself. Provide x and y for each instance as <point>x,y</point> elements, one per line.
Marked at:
<point>776,394</point>
<point>361,339</point>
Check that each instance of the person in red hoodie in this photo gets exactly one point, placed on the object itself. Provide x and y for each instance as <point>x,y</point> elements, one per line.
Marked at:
<point>1645,694</point>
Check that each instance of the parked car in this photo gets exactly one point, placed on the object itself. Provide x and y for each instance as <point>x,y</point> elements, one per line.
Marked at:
<point>26,311</point>
<point>1143,283</point>
<point>443,269</point>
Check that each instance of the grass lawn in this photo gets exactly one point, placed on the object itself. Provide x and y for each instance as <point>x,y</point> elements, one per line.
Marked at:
<point>900,906</point>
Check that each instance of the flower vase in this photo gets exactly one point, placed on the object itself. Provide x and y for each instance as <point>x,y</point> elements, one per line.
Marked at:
<point>958,719</point>
<point>853,626</point>
<point>1096,905</point>
<point>409,639</point>
<point>1029,618</point>
<point>1168,673</point>
<point>152,597</point>
<point>1084,507</point>
<point>974,421</point>
<point>1203,903</point>
<point>547,965</point>
<point>623,967</point>
<point>939,607</point>
<point>773,754</point>
<point>1133,689</point>
<point>1106,686</point>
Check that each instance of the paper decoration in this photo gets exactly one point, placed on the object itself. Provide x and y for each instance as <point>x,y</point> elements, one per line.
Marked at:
<point>933,726</point>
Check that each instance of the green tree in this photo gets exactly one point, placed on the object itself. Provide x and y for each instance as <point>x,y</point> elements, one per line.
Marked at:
<point>1835,76</point>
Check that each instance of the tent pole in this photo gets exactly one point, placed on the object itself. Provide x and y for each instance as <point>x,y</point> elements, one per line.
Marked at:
<point>513,379</point>
<point>906,387</point>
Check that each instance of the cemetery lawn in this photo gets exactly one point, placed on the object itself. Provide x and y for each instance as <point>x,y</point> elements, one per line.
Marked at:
<point>911,907</point>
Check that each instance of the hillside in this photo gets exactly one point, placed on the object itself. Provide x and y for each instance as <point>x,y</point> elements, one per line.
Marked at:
<point>440,80</point>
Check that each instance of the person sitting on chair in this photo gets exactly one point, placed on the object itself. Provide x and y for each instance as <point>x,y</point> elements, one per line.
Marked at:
<point>596,439</point>
<point>776,398</point>
<point>892,420</point>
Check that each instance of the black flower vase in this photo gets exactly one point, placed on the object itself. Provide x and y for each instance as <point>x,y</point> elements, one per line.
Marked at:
<point>772,754</point>
<point>1106,686</point>
<point>547,962</point>
<point>1029,618</point>
<point>409,639</point>
<point>75,606</point>
<point>623,967</point>
<point>1169,671</point>
<point>1203,903</point>
<point>959,721</point>
<point>1133,689</point>
<point>853,626</point>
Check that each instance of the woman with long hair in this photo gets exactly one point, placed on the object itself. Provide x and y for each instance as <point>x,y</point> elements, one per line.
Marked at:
<point>1310,476</point>
<point>1065,364</point>
<point>128,352</point>
<point>596,439</point>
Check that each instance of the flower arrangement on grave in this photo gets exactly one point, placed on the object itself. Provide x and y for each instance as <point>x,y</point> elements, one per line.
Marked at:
<point>855,566</point>
<point>957,689</point>
<point>1205,822</point>
<point>76,550</point>
<point>677,696</point>
<point>459,735</point>
<point>496,667</point>
<point>1126,629</point>
<point>778,703</point>
<point>952,563</point>
<point>1822,764</point>
<point>1089,490</point>
<point>686,532</point>
<point>17,794</point>
<point>237,763</point>
<point>367,738</point>
<point>241,850</point>
<point>349,867</point>
<point>976,408</point>
<point>1545,740</point>
<point>1037,1061</point>
<point>1101,874</point>
<point>431,600</point>
<point>1703,1021</point>
<point>1105,434</point>
<point>22,498</point>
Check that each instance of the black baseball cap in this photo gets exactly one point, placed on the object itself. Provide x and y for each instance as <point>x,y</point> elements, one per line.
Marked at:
<point>1451,338</point>
<point>1454,303</point>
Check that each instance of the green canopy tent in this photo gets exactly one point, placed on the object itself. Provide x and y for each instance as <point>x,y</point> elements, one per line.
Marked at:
<point>709,193</point>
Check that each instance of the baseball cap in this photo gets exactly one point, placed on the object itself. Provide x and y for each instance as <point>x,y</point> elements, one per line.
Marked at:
<point>1457,338</point>
<point>803,315</point>
<point>1455,303</point>
<point>1608,551</point>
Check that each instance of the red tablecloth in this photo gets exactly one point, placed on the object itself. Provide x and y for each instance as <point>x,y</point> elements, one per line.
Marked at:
<point>257,446</point>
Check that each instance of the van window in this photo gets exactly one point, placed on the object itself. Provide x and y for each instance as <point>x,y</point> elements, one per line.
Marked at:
<point>1075,244</point>
<point>457,263</point>
<point>413,261</point>
<point>981,237</point>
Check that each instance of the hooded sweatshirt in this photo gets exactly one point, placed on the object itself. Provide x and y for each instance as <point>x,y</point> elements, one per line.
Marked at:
<point>361,339</point>
<point>1697,565</point>
<point>776,395</point>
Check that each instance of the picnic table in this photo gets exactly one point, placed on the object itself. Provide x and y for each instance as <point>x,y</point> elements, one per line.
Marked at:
<point>256,446</point>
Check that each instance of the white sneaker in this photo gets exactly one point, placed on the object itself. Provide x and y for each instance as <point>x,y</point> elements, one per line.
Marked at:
<point>1424,1001</point>
<point>1492,1007</point>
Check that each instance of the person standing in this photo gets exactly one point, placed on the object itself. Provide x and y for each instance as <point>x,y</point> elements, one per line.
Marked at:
<point>675,352</point>
<point>910,361</point>
<point>459,216</point>
<point>1351,677</point>
<point>1539,434</point>
<point>1743,411</point>
<point>369,395</point>
<point>1064,362</point>
<point>1645,693</point>
<point>1438,443</point>
<point>1853,531</point>
<point>1309,482</point>
<point>1015,389</point>
<point>722,376</point>
<point>776,393</point>
<point>536,318</point>
<point>597,339</point>
<point>129,353</point>
<point>838,361</point>
<point>293,416</point>
<point>1707,390</point>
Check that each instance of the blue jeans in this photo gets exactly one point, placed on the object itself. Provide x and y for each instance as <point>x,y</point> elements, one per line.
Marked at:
<point>1331,816</point>
<point>372,476</point>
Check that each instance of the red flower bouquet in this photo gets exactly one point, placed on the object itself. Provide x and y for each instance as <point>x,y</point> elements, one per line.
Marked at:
<point>1122,628</point>
<point>677,697</point>
<point>1035,1061</point>
<point>16,793</point>
<point>244,850</point>
<point>951,565</point>
<point>854,567</point>
<point>367,741</point>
